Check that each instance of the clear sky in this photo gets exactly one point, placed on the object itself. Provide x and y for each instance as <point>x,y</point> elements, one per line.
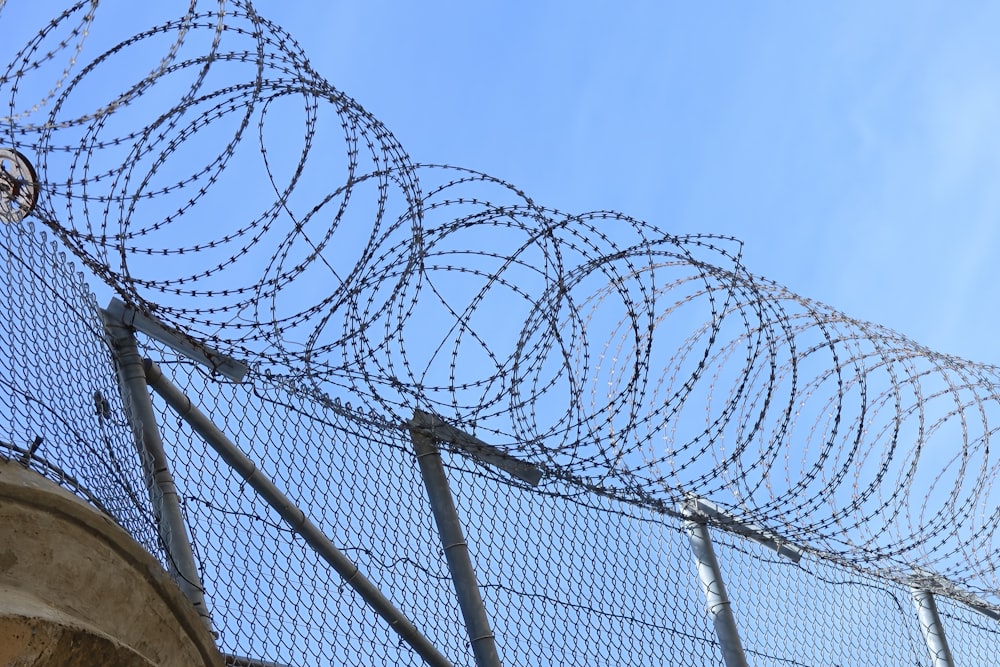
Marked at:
<point>852,146</point>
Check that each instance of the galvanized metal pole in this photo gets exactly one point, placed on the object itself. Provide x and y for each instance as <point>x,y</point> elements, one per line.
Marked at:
<point>160,482</point>
<point>931,627</point>
<point>293,516</point>
<point>456,550</point>
<point>717,600</point>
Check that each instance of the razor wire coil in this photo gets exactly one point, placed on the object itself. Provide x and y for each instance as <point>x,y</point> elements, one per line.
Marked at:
<point>209,176</point>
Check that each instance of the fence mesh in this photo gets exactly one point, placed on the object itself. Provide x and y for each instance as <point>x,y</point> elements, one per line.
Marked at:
<point>637,371</point>
<point>61,409</point>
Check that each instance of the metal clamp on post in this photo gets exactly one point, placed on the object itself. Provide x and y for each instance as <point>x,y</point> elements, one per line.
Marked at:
<point>695,506</point>
<point>120,313</point>
<point>439,430</point>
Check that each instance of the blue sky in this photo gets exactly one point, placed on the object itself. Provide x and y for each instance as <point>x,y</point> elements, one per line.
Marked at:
<point>852,146</point>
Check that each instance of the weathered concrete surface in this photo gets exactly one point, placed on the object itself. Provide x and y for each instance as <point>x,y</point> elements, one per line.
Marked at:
<point>75,589</point>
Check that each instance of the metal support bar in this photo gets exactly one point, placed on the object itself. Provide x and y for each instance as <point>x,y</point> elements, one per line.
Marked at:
<point>228,367</point>
<point>293,516</point>
<point>456,550</point>
<point>717,600</point>
<point>723,519</point>
<point>441,431</point>
<point>931,627</point>
<point>160,482</point>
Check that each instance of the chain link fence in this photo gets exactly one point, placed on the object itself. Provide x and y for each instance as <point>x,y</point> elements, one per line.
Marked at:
<point>61,408</point>
<point>652,383</point>
<point>568,576</point>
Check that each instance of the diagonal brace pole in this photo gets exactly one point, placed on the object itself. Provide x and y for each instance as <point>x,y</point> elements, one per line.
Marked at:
<point>294,517</point>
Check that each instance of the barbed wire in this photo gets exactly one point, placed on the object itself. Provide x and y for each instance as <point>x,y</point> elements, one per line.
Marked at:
<point>214,180</point>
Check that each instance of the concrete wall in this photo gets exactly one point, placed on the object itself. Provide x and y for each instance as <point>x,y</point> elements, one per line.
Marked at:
<point>76,590</point>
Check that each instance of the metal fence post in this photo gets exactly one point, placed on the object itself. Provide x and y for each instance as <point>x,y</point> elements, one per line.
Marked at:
<point>931,627</point>
<point>456,550</point>
<point>717,600</point>
<point>159,480</point>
